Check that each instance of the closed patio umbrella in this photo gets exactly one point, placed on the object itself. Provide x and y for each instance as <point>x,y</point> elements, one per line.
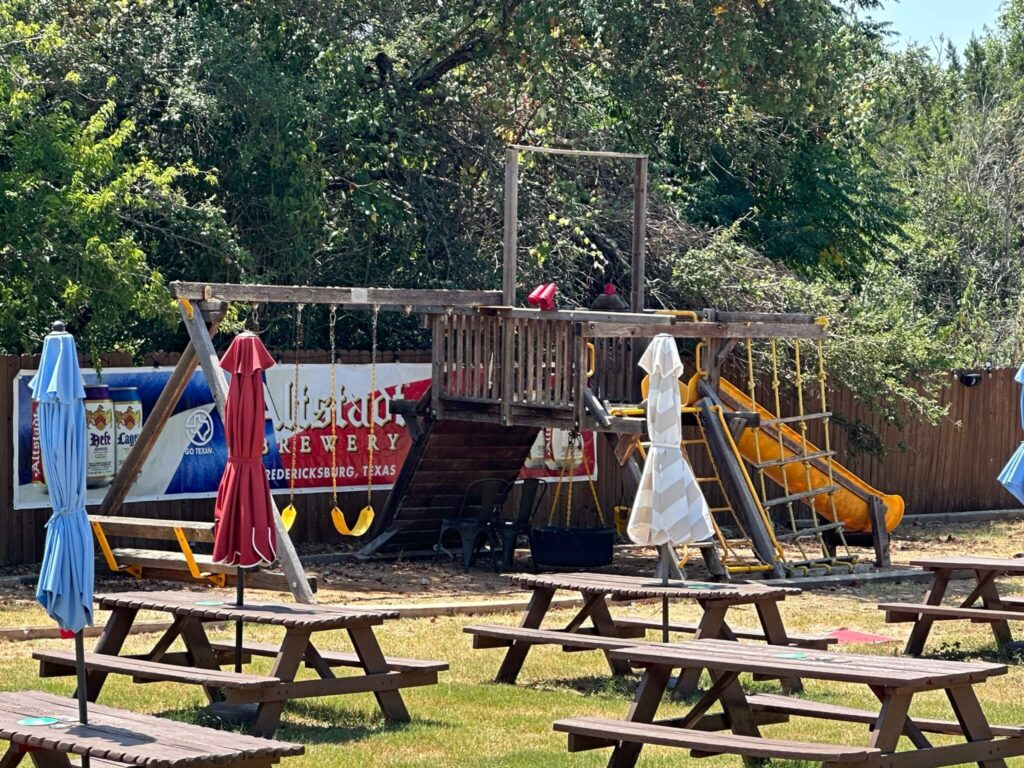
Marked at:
<point>1012,476</point>
<point>244,534</point>
<point>669,509</point>
<point>65,587</point>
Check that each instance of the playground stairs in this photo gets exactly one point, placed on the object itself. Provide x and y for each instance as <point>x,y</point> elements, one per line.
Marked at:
<point>445,458</point>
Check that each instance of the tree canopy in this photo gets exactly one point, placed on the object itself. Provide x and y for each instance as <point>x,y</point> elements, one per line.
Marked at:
<point>799,162</point>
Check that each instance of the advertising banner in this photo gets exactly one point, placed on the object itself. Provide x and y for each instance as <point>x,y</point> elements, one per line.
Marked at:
<point>301,446</point>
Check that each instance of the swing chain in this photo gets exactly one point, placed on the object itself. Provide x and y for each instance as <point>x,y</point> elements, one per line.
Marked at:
<point>373,404</point>
<point>334,406</point>
<point>295,406</point>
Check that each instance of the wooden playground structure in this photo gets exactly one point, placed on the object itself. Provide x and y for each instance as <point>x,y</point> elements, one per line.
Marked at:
<point>501,372</point>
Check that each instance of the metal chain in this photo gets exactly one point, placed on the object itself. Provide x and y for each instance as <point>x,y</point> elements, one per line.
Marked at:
<point>373,403</point>
<point>334,411</point>
<point>254,316</point>
<point>295,403</point>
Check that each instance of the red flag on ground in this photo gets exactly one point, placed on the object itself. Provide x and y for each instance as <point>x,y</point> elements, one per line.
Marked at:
<point>244,533</point>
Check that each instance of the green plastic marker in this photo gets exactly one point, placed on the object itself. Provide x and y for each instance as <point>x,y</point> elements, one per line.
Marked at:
<point>210,602</point>
<point>38,721</point>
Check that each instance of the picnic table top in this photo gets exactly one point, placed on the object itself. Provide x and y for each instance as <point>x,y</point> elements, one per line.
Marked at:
<point>1004,565</point>
<point>885,671</point>
<point>220,606</point>
<point>651,586</point>
<point>127,737</point>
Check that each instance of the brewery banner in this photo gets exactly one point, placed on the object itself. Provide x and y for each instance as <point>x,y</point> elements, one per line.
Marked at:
<point>189,456</point>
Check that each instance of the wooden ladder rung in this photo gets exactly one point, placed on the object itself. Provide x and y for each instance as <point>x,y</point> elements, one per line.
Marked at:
<point>806,533</point>
<point>803,495</point>
<point>791,419</point>
<point>794,459</point>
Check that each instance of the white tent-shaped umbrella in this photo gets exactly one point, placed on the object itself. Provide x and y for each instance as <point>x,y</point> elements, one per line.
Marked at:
<point>669,510</point>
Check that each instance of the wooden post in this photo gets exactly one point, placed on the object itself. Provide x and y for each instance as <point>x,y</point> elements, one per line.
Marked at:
<point>508,270</point>
<point>636,291</point>
<point>202,343</point>
<point>879,532</point>
<point>151,429</point>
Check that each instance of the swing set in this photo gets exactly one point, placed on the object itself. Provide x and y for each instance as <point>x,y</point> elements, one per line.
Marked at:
<point>366,515</point>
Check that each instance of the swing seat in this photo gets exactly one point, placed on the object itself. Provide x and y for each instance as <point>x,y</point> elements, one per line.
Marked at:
<point>288,515</point>
<point>363,522</point>
<point>486,497</point>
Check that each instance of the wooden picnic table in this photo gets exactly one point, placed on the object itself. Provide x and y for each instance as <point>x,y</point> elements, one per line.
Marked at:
<point>115,737</point>
<point>607,633</point>
<point>893,681</point>
<point>201,662</point>
<point>995,610</point>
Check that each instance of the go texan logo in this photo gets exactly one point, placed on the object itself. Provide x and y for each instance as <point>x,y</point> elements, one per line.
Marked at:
<point>199,431</point>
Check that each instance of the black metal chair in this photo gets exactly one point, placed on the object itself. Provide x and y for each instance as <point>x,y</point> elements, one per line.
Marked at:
<point>479,506</point>
<point>509,531</point>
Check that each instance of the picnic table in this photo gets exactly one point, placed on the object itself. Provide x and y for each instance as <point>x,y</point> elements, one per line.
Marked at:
<point>45,727</point>
<point>200,663</point>
<point>893,681</point>
<point>607,633</point>
<point>995,610</point>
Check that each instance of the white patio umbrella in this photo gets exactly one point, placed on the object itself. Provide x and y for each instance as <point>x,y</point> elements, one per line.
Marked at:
<point>669,509</point>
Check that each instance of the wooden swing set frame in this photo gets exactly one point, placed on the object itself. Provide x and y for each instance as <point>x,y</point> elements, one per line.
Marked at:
<point>492,360</point>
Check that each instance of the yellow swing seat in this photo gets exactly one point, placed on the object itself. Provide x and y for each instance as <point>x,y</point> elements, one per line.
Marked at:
<point>362,525</point>
<point>288,515</point>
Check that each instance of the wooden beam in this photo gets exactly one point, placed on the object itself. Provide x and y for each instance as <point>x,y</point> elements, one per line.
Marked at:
<point>419,300</point>
<point>573,315</point>
<point>151,429</point>
<point>638,269</point>
<point>509,253</point>
<point>704,330</point>
<point>214,374</point>
<point>578,152</point>
<point>762,317</point>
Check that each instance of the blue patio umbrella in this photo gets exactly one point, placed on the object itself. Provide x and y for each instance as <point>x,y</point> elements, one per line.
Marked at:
<point>1012,476</point>
<point>65,587</point>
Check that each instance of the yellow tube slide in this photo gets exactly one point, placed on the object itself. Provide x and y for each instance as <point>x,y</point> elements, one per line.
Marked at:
<point>850,505</point>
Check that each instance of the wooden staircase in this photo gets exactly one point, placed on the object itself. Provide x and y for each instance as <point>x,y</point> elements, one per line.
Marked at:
<point>446,456</point>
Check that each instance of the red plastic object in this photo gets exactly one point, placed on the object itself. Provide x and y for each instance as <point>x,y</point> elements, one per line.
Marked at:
<point>543,296</point>
<point>610,289</point>
<point>853,637</point>
<point>66,634</point>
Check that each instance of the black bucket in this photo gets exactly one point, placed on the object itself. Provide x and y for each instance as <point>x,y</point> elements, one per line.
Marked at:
<point>572,547</point>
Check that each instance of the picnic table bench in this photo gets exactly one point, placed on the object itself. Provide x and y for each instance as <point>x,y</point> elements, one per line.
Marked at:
<point>115,737</point>
<point>200,663</point>
<point>606,633</point>
<point>995,610</point>
<point>736,729</point>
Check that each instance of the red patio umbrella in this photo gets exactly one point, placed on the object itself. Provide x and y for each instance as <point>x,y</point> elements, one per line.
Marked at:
<point>243,533</point>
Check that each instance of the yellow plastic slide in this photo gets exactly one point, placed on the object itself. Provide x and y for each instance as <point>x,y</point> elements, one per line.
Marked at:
<point>850,506</point>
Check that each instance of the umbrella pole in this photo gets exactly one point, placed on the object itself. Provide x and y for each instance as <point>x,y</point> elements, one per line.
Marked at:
<point>239,601</point>
<point>83,694</point>
<point>664,598</point>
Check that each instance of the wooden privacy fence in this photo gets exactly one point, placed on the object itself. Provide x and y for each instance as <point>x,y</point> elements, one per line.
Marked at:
<point>950,467</point>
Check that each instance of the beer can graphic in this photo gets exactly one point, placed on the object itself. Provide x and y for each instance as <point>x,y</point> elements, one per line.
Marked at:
<point>127,422</point>
<point>99,427</point>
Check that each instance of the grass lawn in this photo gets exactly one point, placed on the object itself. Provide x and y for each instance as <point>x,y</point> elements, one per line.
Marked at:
<point>467,720</point>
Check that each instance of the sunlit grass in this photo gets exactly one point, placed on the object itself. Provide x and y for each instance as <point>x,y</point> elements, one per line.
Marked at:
<point>467,720</point>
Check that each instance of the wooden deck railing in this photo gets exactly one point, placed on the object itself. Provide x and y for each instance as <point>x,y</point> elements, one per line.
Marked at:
<point>507,361</point>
